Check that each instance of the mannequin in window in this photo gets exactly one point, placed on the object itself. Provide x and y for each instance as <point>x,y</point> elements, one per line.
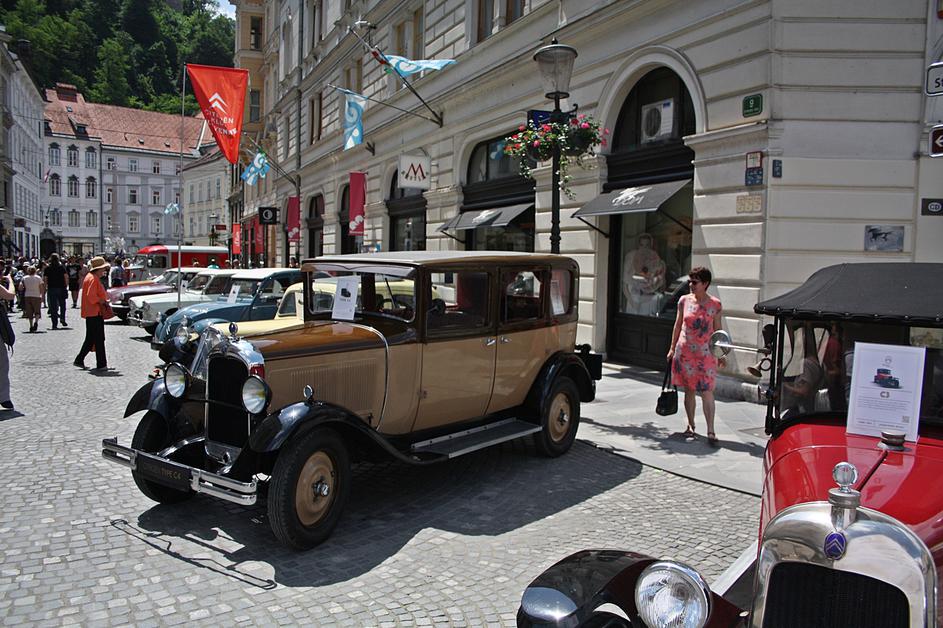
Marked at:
<point>643,278</point>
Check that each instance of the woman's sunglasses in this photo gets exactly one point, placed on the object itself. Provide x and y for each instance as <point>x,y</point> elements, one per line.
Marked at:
<point>694,281</point>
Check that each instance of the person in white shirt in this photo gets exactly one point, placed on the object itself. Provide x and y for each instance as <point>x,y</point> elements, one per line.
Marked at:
<point>33,292</point>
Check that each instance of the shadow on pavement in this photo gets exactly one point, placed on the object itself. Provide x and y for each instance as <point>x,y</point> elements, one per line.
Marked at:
<point>6,415</point>
<point>490,492</point>
<point>659,438</point>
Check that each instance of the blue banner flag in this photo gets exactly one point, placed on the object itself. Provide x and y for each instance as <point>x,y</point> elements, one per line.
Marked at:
<point>353,118</point>
<point>259,167</point>
<point>172,208</point>
<point>406,67</point>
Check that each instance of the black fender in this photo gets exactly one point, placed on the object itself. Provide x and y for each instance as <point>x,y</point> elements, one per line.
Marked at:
<point>277,428</point>
<point>560,363</point>
<point>567,593</point>
<point>152,396</point>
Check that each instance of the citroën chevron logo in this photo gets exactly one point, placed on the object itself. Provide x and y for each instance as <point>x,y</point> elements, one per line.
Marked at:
<point>217,101</point>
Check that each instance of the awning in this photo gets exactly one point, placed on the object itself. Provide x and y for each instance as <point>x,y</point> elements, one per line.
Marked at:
<point>643,198</point>
<point>499,217</point>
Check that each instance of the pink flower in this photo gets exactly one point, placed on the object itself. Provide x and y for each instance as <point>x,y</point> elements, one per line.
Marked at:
<point>581,116</point>
<point>584,125</point>
<point>604,142</point>
<point>521,128</point>
<point>536,143</point>
<point>605,131</point>
<point>545,128</point>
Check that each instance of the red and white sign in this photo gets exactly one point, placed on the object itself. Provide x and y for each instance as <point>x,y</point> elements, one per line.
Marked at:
<point>414,171</point>
<point>221,93</point>
<point>358,197</point>
<point>936,141</point>
<point>236,239</point>
<point>294,219</point>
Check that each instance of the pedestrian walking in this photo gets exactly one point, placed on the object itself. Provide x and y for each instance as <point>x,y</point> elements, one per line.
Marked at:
<point>34,289</point>
<point>94,308</point>
<point>7,293</point>
<point>74,270</point>
<point>694,367</point>
<point>56,280</point>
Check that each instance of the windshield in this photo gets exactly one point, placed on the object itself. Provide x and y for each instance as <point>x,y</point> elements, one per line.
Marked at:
<point>388,291</point>
<point>818,367</point>
<point>198,283</point>
<point>245,289</point>
<point>208,339</point>
<point>218,285</point>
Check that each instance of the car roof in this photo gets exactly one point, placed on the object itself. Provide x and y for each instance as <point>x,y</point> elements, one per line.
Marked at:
<point>260,273</point>
<point>183,269</point>
<point>216,271</point>
<point>422,258</point>
<point>877,291</point>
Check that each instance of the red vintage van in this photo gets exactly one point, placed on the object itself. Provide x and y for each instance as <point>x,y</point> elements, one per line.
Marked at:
<point>158,257</point>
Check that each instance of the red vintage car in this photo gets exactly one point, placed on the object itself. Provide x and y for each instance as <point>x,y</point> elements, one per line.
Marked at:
<point>851,528</point>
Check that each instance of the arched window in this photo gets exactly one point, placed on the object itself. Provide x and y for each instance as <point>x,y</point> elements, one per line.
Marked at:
<point>91,188</point>
<point>91,158</point>
<point>73,154</point>
<point>73,186</point>
<point>658,111</point>
<point>53,154</point>
<point>55,185</point>
<point>489,163</point>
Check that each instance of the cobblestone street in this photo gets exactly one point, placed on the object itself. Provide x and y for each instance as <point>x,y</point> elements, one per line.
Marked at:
<point>450,545</point>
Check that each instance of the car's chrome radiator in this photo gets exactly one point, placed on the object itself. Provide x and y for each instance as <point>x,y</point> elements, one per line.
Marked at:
<point>801,594</point>
<point>226,421</point>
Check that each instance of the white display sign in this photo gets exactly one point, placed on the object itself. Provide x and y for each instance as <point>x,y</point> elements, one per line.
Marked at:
<point>414,171</point>
<point>556,299</point>
<point>233,294</point>
<point>886,386</point>
<point>934,84</point>
<point>345,298</point>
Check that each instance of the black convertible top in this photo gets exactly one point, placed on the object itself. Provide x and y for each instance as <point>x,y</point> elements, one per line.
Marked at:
<point>885,292</point>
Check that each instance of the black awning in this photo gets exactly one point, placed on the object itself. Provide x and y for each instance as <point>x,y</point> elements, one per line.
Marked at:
<point>642,198</point>
<point>887,292</point>
<point>499,217</point>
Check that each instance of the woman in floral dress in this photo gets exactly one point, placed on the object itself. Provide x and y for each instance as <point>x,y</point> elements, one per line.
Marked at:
<point>693,366</point>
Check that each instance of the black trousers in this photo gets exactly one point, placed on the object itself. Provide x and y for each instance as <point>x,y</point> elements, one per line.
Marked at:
<point>94,339</point>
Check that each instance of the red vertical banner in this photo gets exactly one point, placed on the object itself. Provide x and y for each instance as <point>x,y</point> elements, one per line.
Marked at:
<point>221,93</point>
<point>294,219</point>
<point>236,239</point>
<point>358,197</point>
<point>259,238</point>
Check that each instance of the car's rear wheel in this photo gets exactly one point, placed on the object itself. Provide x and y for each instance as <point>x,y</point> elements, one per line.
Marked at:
<point>309,487</point>
<point>152,435</point>
<point>560,418</point>
<point>150,328</point>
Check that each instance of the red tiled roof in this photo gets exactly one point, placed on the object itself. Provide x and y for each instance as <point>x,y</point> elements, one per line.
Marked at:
<point>120,127</point>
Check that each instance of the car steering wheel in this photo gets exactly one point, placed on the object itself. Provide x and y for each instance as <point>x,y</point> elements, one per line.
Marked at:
<point>438,307</point>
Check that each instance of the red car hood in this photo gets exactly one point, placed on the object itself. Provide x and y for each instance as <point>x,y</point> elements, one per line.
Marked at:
<point>904,485</point>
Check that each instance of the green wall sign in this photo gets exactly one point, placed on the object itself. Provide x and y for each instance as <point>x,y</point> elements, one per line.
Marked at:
<point>752,105</point>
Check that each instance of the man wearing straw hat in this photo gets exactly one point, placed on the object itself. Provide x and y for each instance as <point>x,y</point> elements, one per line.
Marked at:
<point>94,306</point>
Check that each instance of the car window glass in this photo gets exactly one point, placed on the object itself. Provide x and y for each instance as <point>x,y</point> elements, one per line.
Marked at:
<point>247,288</point>
<point>561,292</point>
<point>290,304</point>
<point>380,293</point>
<point>521,296</point>
<point>458,302</point>
<point>218,285</point>
<point>198,282</point>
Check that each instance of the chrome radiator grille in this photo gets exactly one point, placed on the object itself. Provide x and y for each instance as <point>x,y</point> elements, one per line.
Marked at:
<point>227,424</point>
<point>813,596</point>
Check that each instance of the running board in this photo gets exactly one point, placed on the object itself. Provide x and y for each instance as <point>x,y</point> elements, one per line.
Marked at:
<point>465,442</point>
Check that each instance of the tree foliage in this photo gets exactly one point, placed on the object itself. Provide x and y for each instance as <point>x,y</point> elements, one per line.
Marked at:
<point>120,52</point>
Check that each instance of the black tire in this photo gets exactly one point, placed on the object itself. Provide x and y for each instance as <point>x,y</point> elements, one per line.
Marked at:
<point>150,328</point>
<point>560,418</point>
<point>152,435</point>
<point>301,518</point>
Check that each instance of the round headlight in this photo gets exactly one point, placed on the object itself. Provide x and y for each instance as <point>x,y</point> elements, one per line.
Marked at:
<point>183,333</point>
<point>672,595</point>
<point>176,380</point>
<point>255,395</point>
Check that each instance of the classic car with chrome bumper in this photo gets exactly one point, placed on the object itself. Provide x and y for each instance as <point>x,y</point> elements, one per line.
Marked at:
<point>865,554</point>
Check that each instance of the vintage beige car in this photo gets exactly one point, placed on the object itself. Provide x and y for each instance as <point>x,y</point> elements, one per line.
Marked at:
<point>421,357</point>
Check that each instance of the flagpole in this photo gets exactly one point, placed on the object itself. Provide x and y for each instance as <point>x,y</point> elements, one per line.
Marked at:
<point>385,104</point>
<point>183,92</point>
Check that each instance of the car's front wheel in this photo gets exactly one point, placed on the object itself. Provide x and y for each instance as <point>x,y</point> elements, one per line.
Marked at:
<point>309,488</point>
<point>152,435</point>
<point>560,418</point>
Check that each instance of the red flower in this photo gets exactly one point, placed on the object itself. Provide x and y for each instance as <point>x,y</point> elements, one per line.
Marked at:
<point>536,143</point>
<point>521,128</point>
<point>545,128</point>
<point>604,142</point>
<point>584,125</point>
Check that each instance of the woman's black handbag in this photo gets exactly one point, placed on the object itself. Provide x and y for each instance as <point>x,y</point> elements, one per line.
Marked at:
<point>668,399</point>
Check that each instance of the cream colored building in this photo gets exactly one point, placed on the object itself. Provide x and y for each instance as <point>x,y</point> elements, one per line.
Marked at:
<point>840,134</point>
<point>206,187</point>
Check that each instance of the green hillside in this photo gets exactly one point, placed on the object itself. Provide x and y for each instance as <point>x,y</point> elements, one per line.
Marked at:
<point>120,52</point>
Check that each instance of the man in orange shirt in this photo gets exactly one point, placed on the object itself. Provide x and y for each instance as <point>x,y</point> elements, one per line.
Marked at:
<point>94,302</point>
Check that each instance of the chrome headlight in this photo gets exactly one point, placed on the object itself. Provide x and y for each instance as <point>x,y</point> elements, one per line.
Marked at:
<point>182,334</point>
<point>670,594</point>
<point>176,380</point>
<point>255,395</point>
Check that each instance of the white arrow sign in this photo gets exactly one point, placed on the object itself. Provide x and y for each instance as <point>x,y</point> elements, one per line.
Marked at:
<point>936,141</point>
<point>215,101</point>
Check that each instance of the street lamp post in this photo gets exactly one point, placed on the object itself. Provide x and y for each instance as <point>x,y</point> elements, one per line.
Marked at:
<point>555,65</point>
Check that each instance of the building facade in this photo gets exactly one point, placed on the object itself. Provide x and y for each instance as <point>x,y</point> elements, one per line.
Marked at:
<point>206,187</point>
<point>112,171</point>
<point>22,144</point>
<point>780,155</point>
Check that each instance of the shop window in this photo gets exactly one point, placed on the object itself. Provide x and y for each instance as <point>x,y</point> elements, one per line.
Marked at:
<point>522,297</point>
<point>407,209</point>
<point>459,303</point>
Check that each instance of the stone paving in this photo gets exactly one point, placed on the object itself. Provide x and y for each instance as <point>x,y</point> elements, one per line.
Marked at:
<point>451,545</point>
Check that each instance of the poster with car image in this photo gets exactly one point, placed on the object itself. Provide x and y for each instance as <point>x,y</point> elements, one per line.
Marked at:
<point>886,386</point>
<point>345,298</point>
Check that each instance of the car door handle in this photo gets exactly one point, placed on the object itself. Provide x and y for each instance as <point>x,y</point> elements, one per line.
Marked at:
<point>505,340</point>
<point>490,342</point>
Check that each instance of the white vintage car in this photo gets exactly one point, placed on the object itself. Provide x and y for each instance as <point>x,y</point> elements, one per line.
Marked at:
<point>146,311</point>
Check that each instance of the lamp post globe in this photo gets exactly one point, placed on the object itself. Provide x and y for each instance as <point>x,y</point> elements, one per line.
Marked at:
<point>555,66</point>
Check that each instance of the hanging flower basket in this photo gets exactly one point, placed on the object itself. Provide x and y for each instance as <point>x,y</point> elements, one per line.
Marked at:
<point>576,139</point>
